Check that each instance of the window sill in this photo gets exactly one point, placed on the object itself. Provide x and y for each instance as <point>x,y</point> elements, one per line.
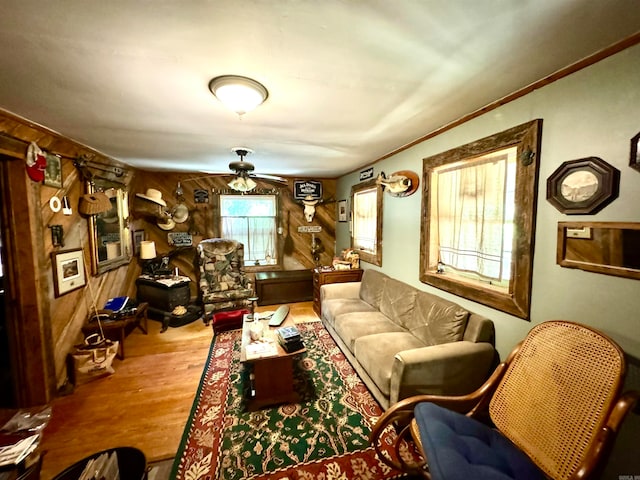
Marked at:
<point>490,295</point>
<point>263,268</point>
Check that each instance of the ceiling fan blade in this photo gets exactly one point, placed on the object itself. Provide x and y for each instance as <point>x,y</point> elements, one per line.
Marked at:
<point>273,178</point>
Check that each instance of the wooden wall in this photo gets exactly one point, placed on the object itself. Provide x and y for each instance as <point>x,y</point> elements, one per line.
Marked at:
<point>294,247</point>
<point>43,328</point>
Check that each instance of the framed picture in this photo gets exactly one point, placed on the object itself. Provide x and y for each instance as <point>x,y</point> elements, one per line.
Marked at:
<point>634,157</point>
<point>138,236</point>
<point>584,186</point>
<point>53,172</point>
<point>342,210</point>
<point>68,270</point>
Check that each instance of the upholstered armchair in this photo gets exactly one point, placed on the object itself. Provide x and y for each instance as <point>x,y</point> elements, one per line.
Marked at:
<point>223,284</point>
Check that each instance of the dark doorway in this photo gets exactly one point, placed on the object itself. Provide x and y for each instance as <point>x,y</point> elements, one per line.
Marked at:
<point>7,396</point>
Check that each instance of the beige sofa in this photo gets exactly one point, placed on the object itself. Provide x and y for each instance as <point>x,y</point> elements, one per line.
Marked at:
<point>403,341</point>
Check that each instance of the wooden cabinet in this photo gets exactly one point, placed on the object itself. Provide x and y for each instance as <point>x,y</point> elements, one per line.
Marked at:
<point>331,276</point>
<point>286,286</point>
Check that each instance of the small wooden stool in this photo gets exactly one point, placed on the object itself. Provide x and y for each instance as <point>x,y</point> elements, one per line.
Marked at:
<point>115,329</point>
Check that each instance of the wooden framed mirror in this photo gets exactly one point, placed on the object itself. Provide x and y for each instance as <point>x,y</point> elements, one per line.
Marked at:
<point>601,247</point>
<point>109,237</point>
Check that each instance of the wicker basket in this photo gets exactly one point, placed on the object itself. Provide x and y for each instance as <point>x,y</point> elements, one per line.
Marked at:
<point>94,203</point>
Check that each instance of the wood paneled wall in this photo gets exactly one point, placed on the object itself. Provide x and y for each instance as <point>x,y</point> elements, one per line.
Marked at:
<point>294,248</point>
<point>43,328</point>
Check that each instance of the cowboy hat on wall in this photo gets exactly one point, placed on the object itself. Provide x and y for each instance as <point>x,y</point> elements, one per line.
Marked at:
<point>152,195</point>
<point>153,205</point>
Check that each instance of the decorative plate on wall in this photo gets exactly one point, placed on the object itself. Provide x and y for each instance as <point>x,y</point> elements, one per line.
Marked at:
<point>583,186</point>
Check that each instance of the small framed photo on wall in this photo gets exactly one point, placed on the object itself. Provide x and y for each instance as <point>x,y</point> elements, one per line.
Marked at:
<point>634,157</point>
<point>53,172</point>
<point>342,211</point>
<point>138,236</point>
<point>68,271</point>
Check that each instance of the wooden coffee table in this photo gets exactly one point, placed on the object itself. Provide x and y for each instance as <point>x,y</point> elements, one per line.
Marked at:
<point>272,376</point>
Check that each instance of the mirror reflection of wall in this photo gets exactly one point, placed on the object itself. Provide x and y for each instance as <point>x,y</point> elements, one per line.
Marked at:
<point>110,237</point>
<point>604,247</point>
<point>108,230</point>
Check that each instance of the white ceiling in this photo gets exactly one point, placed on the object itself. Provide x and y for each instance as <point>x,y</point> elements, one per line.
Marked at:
<point>349,80</point>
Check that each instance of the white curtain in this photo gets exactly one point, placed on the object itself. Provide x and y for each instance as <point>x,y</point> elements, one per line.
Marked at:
<point>251,219</point>
<point>365,223</point>
<point>471,215</point>
<point>255,233</point>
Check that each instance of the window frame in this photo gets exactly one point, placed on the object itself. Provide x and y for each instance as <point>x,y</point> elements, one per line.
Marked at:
<point>249,264</point>
<point>366,256</point>
<point>517,299</point>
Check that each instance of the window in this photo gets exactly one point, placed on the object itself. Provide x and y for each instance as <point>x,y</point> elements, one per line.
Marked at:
<point>472,214</point>
<point>477,197</point>
<point>366,236</point>
<point>251,220</point>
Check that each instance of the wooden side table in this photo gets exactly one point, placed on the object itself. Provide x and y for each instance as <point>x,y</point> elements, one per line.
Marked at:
<point>323,277</point>
<point>116,329</point>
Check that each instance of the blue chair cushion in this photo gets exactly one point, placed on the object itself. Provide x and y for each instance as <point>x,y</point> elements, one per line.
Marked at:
<point>459,447</point>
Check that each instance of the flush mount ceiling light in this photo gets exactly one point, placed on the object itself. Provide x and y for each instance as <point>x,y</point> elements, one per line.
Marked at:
<point>240,94</point>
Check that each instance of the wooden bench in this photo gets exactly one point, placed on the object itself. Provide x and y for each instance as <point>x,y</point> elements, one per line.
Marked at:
<point>284,286</point>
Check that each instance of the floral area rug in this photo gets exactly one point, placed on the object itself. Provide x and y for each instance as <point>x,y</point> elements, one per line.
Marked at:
<point>325,436</point>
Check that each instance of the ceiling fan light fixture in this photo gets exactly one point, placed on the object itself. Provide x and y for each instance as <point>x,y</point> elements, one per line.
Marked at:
<point>239,94</point>
<point>242,184</point>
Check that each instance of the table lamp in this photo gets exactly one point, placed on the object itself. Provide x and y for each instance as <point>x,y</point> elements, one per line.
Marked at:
<point>148,254</point>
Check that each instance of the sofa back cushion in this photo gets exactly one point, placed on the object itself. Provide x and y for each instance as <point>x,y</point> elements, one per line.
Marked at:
<point>397,301</point>
<point>371,287</point>
<point>436,321</point>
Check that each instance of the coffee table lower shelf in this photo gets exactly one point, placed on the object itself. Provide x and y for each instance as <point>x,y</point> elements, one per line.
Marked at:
<point>271,382</point>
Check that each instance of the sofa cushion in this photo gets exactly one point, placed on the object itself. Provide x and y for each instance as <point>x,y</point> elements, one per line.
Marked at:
<point>371,287</point>
<point>351,326</point>
<point>436,321</point>
<point>397,301</point>
<point>376,353</point>
<point>333,307</point>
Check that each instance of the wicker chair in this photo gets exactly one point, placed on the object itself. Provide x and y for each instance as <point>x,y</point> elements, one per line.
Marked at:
<point>224,286</point>
<point>551,410</point>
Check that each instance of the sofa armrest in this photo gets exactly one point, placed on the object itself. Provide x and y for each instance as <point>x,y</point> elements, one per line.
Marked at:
<point>340,290</point>
<point>455,368</point>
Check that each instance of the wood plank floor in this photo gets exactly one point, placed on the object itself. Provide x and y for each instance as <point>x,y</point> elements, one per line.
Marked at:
<point>145,404</point>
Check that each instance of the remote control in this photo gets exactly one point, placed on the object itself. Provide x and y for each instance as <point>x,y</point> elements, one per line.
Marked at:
<point>279,316</point>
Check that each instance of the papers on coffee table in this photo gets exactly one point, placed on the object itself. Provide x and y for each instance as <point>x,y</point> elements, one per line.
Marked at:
<point>261,349</point>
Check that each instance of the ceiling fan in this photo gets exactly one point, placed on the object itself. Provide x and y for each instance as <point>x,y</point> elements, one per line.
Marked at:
<point>243,182</point>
